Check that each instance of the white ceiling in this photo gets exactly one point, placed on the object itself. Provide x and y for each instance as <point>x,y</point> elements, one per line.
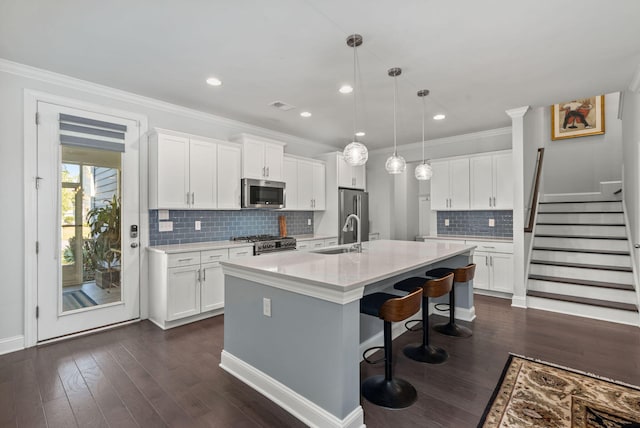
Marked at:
<point>478,58</point>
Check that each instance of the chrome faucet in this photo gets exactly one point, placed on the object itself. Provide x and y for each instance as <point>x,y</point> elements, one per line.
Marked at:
<point>358,245</point>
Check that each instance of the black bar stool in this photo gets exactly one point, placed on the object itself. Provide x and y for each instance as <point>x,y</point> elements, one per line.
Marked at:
<point>463,274</point>
<point>387,391</point>
<point>425,352</point>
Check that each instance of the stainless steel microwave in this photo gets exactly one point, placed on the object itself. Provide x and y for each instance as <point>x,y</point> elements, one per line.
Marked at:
<point>263,193</point>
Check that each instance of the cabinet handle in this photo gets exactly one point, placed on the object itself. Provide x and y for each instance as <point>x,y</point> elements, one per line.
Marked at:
<point>486,261</point>
<point>489,200</point>
<point>188,198</point>
<point>491,264</point>
<point>494,201</point>
<point>193,198</point>
<point>204,274</point>
<point>353,181</point>
<point>486,246</point>
<point>199,273</point>
<point>185,260</point>
<point>243,252</point>
<point>267,171</point>
<point>215,257</point>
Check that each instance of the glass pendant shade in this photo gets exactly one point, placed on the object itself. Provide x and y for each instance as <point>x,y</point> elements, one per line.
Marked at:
<point>355,153</point>
<point>395,164</point>
<point>423,171</point>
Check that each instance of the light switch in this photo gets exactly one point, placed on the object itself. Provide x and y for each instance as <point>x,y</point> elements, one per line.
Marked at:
<point>446,222</point>
<point>163,214</point>
<point>492,222</point>
<point>165,226</point>
<point>266,307</point>
<point>198,225</point>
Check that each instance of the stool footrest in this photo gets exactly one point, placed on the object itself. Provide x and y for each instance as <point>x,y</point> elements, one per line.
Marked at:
<point>415,327</point>
<point>367,360</point>
<point>442,307</point>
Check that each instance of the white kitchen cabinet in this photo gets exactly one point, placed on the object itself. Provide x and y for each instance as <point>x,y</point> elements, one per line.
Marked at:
<point>374,236</point>
<point>494,266</point>
<point>491,182</point>
<point>262,159</point>
<point>183,292</point>
<point>229,173</point>
<point>169,172</point>
<point>331,242</point>
<point>290,177</point>
<point>450,185</point>
<point>319,186</point>
<point>353,177</point>
<point>306,186</point>
<point>310,244</point>
<point>202,177</point>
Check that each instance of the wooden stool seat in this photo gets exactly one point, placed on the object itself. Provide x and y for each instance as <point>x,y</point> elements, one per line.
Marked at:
<point>460,275</point>
<point>387,391</point>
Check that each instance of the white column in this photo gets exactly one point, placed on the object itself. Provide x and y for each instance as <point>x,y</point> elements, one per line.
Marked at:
<point>517,145</point>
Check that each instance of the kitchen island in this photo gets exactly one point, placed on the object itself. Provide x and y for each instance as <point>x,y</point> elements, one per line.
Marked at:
<point>293,329</point>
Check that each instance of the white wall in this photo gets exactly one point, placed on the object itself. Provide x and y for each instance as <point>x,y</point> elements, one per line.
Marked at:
<point>578,165</point>
<point>631,159</point>
<point>12,85</point>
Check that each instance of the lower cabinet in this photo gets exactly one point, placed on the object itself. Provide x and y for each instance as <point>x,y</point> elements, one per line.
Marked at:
<point>314,244</point>
<point>494,266</point>
<point>186,287</point>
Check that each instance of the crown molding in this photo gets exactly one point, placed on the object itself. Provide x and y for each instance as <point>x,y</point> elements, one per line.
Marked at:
<point>58,79</point>
<point>634,86</point>
<point>449,140</point>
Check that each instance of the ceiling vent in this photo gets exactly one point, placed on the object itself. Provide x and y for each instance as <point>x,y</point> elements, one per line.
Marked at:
<point>282,106</point>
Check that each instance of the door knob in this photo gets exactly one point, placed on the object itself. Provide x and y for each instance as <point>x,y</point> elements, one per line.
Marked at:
<point>636,246</point>
<point>134,245</point>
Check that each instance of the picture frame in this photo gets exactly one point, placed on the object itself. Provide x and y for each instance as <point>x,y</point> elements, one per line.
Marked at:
<point>581,117</point>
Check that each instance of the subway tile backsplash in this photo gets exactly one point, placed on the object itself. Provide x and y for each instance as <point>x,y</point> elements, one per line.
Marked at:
<point>476,223</point>
<point>221,225</point>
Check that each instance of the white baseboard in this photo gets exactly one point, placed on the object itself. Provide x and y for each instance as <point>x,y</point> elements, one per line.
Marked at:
<point>299,406</point>
<point>166,325</point>
<point>11,344</point>
<point>519,302</point>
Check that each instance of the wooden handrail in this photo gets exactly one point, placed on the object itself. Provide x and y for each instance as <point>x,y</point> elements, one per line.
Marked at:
<point>534,202</point>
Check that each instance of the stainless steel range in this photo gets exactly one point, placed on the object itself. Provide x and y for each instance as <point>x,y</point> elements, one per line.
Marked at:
<point>263,244</point>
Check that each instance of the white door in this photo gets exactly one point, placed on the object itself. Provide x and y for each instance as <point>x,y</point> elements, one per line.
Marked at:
<point>87,203</point>
<point>202,175</point>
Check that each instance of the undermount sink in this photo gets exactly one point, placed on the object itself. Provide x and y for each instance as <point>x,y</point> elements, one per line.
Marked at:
<point>334,251</point>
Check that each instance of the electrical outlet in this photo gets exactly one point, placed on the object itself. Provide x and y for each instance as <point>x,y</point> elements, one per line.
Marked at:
<point>198,225</point>
<point>165,226</point>
<point>266,307</point>
<point>446,222</point>
<point>492,222</point>
<point>163,214</point>
<point>308,222</point>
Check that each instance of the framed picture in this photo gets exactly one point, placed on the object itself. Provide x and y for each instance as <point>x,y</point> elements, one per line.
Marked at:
<point>577,118</point>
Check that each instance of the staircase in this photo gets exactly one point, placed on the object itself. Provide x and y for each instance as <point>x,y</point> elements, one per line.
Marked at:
<point>581,262</point>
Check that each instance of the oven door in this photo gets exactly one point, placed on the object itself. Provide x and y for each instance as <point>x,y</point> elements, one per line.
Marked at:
<point>263,194</point>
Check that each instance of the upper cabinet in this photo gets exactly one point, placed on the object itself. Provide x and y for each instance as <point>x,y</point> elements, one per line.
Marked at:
<point>353,177</point>
<point>306,187</point>
<point>492,182</point>
<point>450,185</point>
<point>262,159</point>
<point>188,172</point>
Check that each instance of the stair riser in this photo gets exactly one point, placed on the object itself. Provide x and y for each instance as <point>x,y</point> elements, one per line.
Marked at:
<point>578,309</point>
<point>573,230</point>
<point>578,273</point>
<point>585,258</point>
<point>600,293</point>
<point>580,218</point>
<point>591,244</point>
<point>581,207</point>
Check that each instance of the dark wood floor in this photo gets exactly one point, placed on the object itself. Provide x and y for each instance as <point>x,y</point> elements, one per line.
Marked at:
<point>141,376</point>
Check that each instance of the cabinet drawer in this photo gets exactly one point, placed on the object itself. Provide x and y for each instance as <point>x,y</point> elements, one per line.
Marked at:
<point>303,245</point>
<point>210,256</point>
<point>330,242</point>
<point>492,247</point>
<point>183,259</point>
<point>240,252</point>
<point>318,243</point>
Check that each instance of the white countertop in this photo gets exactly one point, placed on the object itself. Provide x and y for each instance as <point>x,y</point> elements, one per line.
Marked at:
<point>379,260</point>
<point>312,237</point>
<point>198,246</point>
<point>466,238</point>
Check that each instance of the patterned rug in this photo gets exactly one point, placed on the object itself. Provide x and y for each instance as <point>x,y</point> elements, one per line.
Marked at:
<point>76,299</point>
<point>535,394</point>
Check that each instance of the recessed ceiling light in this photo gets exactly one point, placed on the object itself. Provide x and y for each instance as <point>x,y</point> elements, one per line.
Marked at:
<point>214,81</point>
<point>439,116</point>
<point>305,114</point>
<point>360,134</point>
<point>345,89</point>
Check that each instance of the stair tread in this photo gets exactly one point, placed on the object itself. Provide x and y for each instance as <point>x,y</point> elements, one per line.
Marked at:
<point>581,265</point>
<point>590,283</point>
<point>552,235</point>
<point>580,202</point>
<point>581,224</point>
<point>584,250</point>
<point>584,300</point>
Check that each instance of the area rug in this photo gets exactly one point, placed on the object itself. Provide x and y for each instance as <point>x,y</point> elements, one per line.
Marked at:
<point>535,394</point>
<point>76,299</point>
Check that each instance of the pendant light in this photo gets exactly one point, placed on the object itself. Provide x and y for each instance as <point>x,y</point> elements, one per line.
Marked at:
<point>355,153</point>
<point>423,171</point>
<point>395,164</point>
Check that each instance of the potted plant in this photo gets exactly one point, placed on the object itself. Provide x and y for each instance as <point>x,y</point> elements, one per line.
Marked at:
<point>104,229</point>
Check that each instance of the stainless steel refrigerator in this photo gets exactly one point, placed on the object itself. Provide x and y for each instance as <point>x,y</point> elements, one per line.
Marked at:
<point>353,202</point>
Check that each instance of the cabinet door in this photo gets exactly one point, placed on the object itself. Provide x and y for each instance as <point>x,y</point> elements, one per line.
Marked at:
<point>229,176</point>
<point>273,161</point>
<point>481,182</point>
<point>482,278</point>
<point>305,185</point>
<point>345,173</point>
<point>183,292</point>
<point>212,283</point>
<point>440,186</point>
<point>360,176</point>
<point>173,172</point>
<point>316,244</point>
<point>459,188</point>
<point>319,187</point>
<point>253,159</point>
<point>503,181</point>
<point>502,270</point>
<point>290,177</point>
<point>202,174</point>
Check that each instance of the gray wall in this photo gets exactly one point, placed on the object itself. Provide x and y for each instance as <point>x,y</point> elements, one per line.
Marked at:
<point>12,226</point>
<point>631,158</point>
<point>578,165</point>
